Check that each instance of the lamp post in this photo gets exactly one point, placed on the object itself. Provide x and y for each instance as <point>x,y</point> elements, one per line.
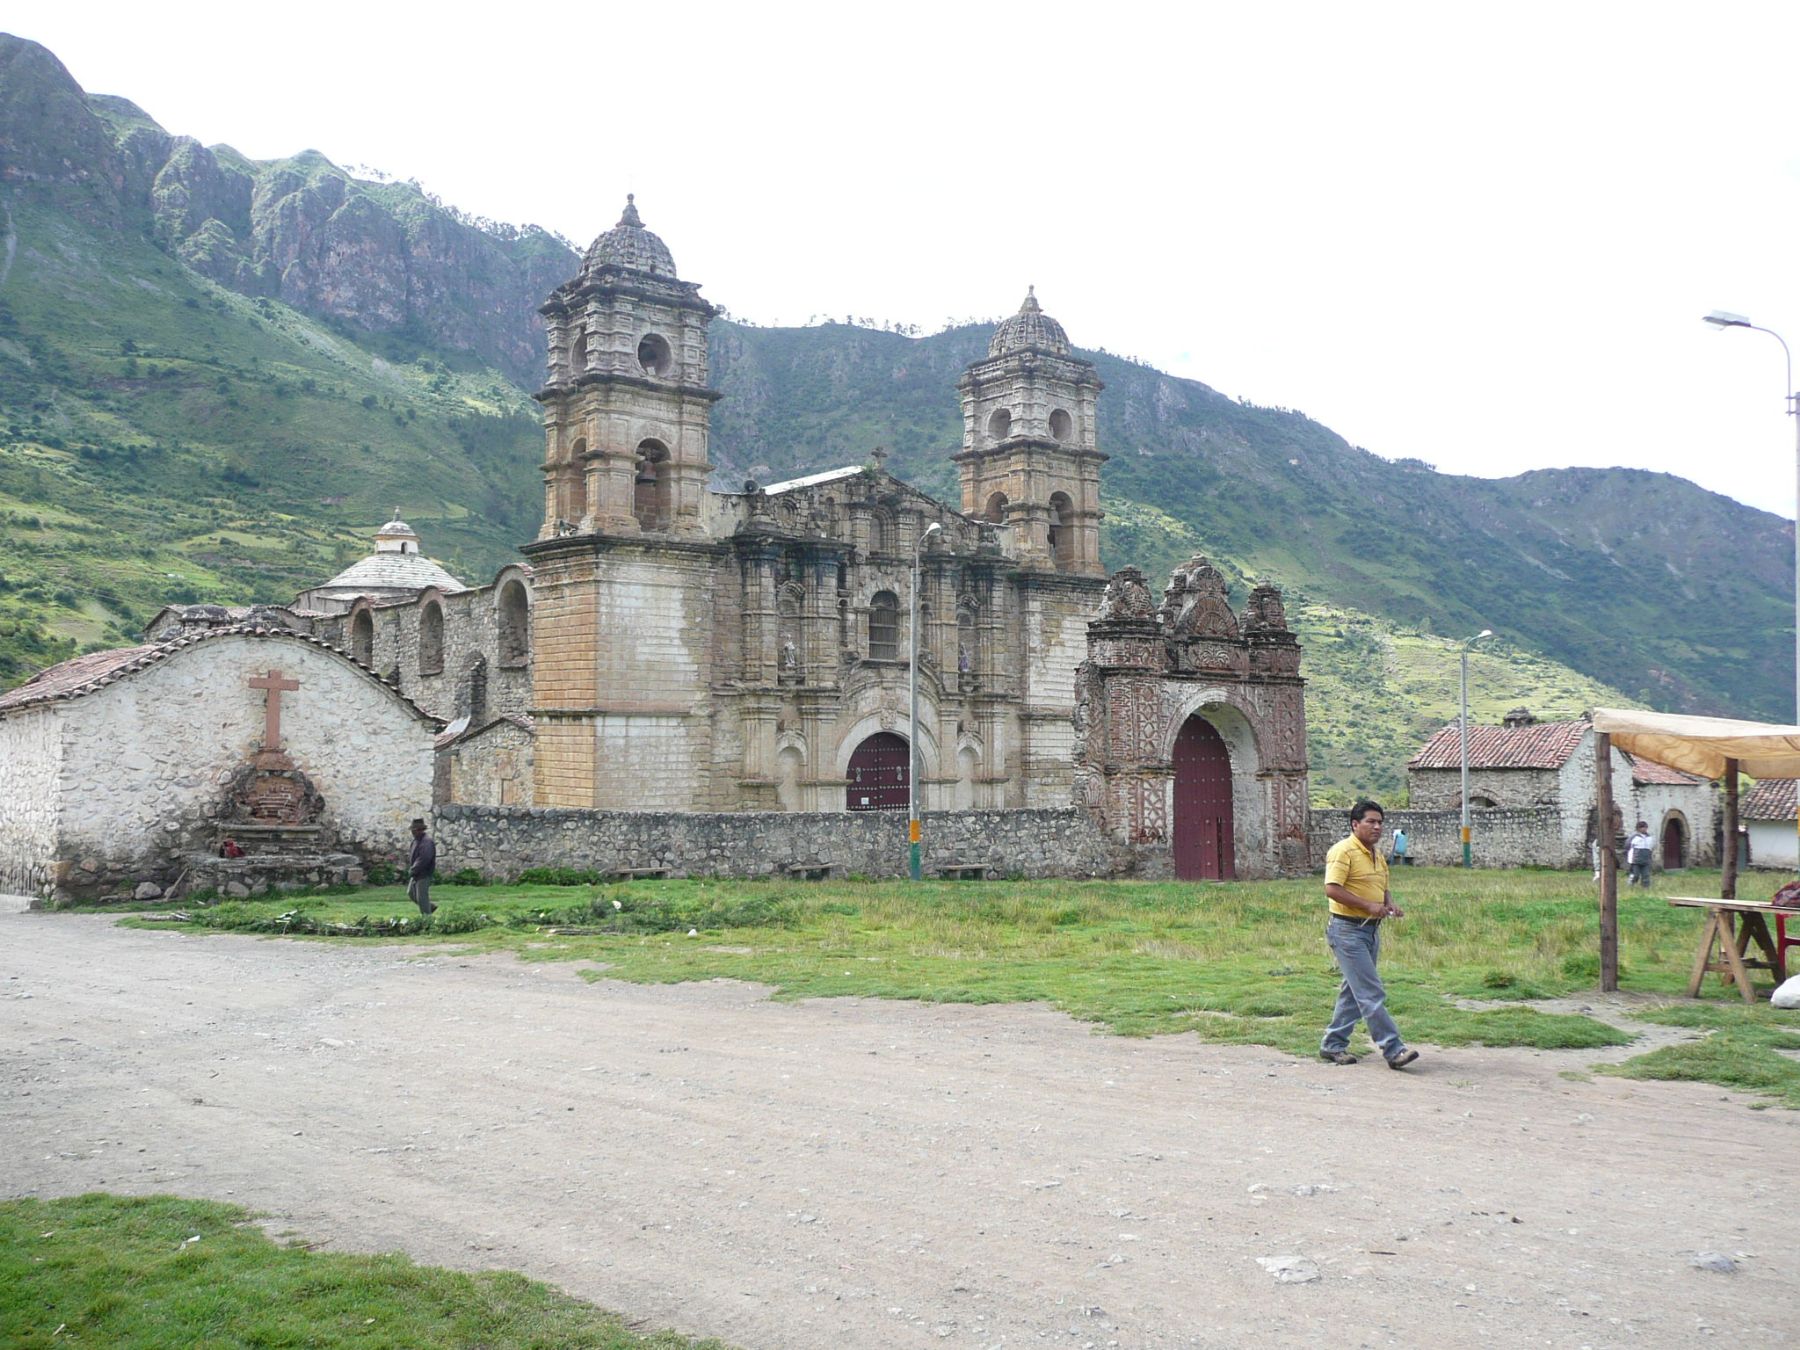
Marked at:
<point>1720,319</point>
<point>1463,729</point>
<point>912,741</point>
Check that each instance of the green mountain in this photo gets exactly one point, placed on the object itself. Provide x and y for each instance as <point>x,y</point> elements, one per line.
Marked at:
<point>217,375</point>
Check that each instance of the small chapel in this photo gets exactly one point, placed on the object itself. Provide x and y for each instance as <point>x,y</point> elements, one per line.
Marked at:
<point>671,644</point>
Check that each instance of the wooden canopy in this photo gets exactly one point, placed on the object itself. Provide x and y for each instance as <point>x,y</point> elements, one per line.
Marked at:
<point>1713,747</point>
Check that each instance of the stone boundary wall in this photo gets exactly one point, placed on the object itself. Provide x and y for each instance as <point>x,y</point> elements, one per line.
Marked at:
<point>1530,836</point>
<point>502,841</point>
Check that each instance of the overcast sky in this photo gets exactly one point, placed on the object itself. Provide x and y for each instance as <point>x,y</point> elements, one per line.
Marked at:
<point>1482,236</point>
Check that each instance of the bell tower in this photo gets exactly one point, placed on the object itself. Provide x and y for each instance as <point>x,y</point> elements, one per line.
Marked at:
<point>627,402</point>
<point>1029,459</point>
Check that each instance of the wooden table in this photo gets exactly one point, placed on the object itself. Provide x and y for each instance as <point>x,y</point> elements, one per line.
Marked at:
<point>1725,941</point>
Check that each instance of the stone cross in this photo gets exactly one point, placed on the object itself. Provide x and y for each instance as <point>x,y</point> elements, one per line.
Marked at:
<point>274,682</point>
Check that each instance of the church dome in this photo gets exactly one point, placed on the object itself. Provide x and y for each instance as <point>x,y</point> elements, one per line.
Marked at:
<point>629,245</point>
<point>1029,330</point>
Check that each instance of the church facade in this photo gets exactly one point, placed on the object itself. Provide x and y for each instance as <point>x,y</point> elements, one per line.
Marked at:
<point>695,650</point>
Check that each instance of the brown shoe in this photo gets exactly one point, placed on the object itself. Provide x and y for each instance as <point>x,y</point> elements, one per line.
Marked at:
<point>1337,1056</point>
<point>1401,1060</point>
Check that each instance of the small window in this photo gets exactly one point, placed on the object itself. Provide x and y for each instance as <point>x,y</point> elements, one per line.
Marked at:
<point>995,510</point>
<point>578,352</point>
<point>1061,424</point>
<point>654,355</point>
<point>999,424</point>
<point>884,627</point>
<point>877,535</point>
<point>431,639</point>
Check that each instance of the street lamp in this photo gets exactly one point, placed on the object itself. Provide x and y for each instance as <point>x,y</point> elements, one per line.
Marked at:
<point>912,742</point>
<point>1720,319</point>
<point>1463,728</point>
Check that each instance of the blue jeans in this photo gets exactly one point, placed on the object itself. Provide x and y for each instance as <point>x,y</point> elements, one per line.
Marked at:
<point>1356,947</point>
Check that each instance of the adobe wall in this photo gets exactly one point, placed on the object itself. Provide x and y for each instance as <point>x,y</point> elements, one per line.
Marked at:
<point>502,841</point>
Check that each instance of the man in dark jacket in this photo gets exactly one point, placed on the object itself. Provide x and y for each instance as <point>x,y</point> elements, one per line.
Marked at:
<point>421,867</point>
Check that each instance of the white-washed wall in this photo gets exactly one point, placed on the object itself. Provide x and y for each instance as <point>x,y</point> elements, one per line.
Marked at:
<point>145,759</point>
<point>30,760</point>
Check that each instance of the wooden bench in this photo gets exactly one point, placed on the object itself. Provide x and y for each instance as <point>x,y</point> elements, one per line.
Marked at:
<point>809,871</point>
<point>1731,926</point>
<point>638,874</point>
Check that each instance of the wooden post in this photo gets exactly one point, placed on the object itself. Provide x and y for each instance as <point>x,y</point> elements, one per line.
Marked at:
<point>1728,864</point>
<point>1609,865</point>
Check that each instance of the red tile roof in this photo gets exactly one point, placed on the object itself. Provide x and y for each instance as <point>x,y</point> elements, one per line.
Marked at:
<point>77,673</point>
<point>1770,799</point>
<point>1542,745</point>
<point>1649,771</point>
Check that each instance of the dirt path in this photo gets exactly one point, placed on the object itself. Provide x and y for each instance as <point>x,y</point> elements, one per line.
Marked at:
<point>853,1173</point>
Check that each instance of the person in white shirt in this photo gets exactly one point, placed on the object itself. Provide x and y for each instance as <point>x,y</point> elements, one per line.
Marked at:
<point>1637,854</point>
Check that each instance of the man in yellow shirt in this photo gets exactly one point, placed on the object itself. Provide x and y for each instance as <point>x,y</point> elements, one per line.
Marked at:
<point>1356,889</point>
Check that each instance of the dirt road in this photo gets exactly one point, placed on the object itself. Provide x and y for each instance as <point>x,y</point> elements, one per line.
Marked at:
<point>852,1173</point>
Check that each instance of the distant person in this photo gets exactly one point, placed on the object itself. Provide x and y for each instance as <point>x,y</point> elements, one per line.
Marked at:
<point>1401,857</point>
<point>1637,854</point>
<point>1356,889</point>
<point>421,866</point>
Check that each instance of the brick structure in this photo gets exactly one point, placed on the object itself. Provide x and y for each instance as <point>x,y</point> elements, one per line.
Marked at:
<point>1190,728</point>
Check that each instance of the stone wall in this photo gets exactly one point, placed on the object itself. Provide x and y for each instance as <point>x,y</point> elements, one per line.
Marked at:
<point>146,760</point>
<point>501,842</point>
<point>30,760</point>
<point>1530,836</point>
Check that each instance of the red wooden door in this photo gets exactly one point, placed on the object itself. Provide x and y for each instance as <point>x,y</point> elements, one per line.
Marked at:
<point>1672,845</point>
<point>878,774</point>
<point>1202,804</point>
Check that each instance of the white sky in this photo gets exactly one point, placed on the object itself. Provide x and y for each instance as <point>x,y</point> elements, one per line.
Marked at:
<point>1480,236</point>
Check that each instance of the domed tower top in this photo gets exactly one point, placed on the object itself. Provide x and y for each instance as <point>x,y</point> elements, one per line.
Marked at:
<point>629,245</point>
<point>396,536</point>
<point>1029,330</point>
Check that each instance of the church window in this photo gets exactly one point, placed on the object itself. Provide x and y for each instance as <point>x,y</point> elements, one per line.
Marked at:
<point>1060,424</point>
<point>968,653</point>
<point>1062,533</point>
<point>884,627</point>
<point>995,509</point>
<point>515,624</point>
<point>877,535</point>
<point>653,354</point>
<point>843,570</point>
<point>650,486</point>
<point>431,639</point>
<point>578,354</point>
<point>362,637</point>
<point>999,424</point>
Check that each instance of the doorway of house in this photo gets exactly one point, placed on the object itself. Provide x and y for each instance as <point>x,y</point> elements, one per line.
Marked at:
<point>1202,804</point>
<point>1674,842</point>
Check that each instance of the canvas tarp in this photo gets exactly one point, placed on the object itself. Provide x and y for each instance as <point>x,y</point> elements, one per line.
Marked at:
<point>1701,745</point>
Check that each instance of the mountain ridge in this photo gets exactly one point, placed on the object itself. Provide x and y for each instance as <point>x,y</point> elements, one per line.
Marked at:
<point>217,374</point>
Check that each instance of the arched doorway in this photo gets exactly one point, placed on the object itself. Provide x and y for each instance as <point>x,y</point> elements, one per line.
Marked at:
<point>877,774</point>
<point>1674,845</point>
<point>1202,804</point>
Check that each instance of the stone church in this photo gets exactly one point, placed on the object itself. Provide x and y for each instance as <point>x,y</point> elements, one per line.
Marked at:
<point>670,647</point>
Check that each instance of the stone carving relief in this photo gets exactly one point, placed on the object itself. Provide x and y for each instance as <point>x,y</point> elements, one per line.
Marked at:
<point>1127,597</point>
<point>1195,604</point>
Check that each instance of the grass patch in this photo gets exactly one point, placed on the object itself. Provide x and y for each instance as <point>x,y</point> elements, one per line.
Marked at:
<point>1742,1048</point>
<point>158,1271</point>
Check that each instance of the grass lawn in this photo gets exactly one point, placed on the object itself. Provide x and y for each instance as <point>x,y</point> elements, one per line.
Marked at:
<point>1238,962</point>
<point>104,1270</point>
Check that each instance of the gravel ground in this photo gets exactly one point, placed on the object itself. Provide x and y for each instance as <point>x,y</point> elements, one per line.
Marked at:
<point>850,1172</point>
